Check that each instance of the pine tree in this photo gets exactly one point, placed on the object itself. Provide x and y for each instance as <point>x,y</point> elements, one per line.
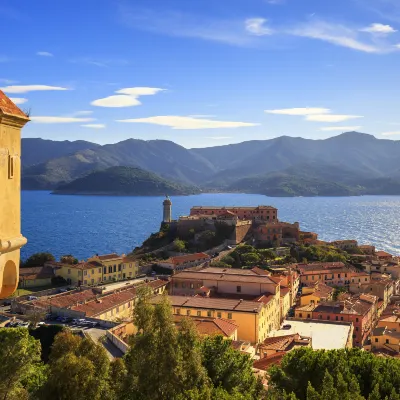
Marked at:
<point>375,394</point>
<point>328,388</point>
<point>312,394</point>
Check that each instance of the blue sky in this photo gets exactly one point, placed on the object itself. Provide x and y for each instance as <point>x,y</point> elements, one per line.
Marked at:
<point>202,72</point>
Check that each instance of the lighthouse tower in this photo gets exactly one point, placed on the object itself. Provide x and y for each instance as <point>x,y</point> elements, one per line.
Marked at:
<point>167,210</point>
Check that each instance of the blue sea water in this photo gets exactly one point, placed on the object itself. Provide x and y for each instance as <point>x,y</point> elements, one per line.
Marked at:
<point>85,225</point>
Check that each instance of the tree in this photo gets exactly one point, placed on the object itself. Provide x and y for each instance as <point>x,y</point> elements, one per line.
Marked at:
<point>250,259</point>
<point>162,363</point>
<point>312,394</point>
<point>38,260</point>
<point>228,260</point>
<point>228,368</point>
<point>375,394</point>
<point>179,246</point>
<point>68,259</point>
<point>19,361</point>
<point>78,370</point>
<point>328,387</point>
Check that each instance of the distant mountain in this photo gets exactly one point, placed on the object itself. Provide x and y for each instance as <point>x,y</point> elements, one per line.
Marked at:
<point>125,181</point>
<point>159,156</point>
<point>36,150</point>
<point>351,163</point>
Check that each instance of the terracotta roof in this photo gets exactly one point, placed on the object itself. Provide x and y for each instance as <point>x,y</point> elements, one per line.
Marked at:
<point>232,208</point>
<point>383,254</point>
<point>227,277</point>
<point>392,318</point>
<point>229,271</point>
<point>213,303</point>
<point>84,265</point>
<point>260,271</point>
<point>106,257</point>
<point>319,266</point>
<point>36,273</point>
<point>284,291</point>
<point>266,298</point>
<point>266,362</point>
<point>8,107</point>
<point>212,326</point>
<point>285,342</point>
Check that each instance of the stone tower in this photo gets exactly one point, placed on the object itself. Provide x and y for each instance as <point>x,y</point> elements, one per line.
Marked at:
<point>167,210</point>
<point>12,119</point>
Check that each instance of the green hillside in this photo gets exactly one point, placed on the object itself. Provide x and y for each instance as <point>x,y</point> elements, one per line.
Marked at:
<point>125,181</point>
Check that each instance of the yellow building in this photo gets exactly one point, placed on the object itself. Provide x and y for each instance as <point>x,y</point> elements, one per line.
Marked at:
<point>255,319</point>
<point>84,273</point>
<point>316,294</point>
<point>12,119</point>
<point>383,338</point>
<point>115,267</point>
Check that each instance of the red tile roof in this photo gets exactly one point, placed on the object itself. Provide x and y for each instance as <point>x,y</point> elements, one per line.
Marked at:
<point>187,258</point>
<point>266,362</point>
<point>212,326</point>
<point>383,254</point>
<point>106,257</point>
<point>8,107</point>
<point>36,273</point>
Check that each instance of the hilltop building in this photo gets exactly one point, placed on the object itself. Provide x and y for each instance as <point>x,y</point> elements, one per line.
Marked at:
<point>12,120</point>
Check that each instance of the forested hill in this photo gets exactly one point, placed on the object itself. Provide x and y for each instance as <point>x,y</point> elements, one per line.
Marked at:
<point>125,181</point>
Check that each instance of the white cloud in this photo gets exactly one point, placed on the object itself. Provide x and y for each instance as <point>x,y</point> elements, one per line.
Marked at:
<point>102,63</point>
<point>338,35</point>
<point>94,126</point>
<point>178,122</point>
<point>116,101</point>
<point>59,120</point>
<point>201,116</point>
<point>18,100</point>
<point>127,97</point>
<point>44,54</point>
<point>30,88</point>
<point>341,128</point>
<point>379,29</point>
<point>299,111</point>
<point>256,26</point>
<point>391,133</point>
<point>331,117</point>
<point>79,113</point>
<point>275,2</point>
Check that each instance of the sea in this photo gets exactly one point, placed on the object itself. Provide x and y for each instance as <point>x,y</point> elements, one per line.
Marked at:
<point>86,225</point>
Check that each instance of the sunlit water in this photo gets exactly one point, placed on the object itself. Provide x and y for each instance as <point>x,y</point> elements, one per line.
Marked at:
<point>85,225</point>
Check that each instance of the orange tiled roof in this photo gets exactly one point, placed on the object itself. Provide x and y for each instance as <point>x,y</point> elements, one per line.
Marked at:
<point>187,258</point>
<point>266,362</point>
<point>383,254</point>
<point>8,107</point>
<point>111,256</point>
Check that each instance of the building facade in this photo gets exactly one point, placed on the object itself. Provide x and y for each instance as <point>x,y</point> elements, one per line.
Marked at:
<point>12,120</point>
<point>259,213</point>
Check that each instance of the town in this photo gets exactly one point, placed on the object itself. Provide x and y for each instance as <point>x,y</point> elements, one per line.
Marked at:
<point>268,286</point>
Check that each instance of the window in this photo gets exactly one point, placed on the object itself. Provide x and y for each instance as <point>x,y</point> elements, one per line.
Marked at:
<point>199,313</point>
<point>115,268</point>
<point>229,315</point>
<point>338,275</point>
<point>187,312</point>
<point>308,315</point>
<point>208,313</point>
<point>85,282</point>
<point>313,277</point>
<point>84,273</point>
<point>387,341</point>
<point>99,270</point>
<point>110,269</point>
<point>191,286</point>
<point>238,289</point>
<point>104,270</point>
<point>10,167</point>
<point>320,316</point>
<point>199,285</point>
<point>301,315</point>
<point>356,328</point>
<point>356,319</point>
<point>341,318</point>
<point>345,275</point>
<point>92,271</point>
<point>119,267</point>
<point>183,285</point>
<point>178,311</point>
<point>337,318</point>
<point>219,314</point>
<point>328,317</point>
<point>376,340</point>
<point>69,272</point>
<point>92,281</point>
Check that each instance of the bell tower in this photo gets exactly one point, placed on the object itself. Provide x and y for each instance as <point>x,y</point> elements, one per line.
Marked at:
<point>12,119</point>
<point>167,210</point>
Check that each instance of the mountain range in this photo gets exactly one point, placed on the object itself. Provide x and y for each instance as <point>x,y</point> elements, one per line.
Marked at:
<point>352,163</point>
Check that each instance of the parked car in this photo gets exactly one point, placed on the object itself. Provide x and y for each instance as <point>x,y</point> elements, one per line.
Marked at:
<point>287,326</point>
<point>30,298</point>
<point>41,323</point>
<point>23,324</point>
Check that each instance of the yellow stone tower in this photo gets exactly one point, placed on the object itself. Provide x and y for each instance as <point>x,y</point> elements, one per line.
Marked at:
<point>12,119</point>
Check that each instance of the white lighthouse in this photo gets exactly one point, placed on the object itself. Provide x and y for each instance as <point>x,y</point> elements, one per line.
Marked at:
<point>167,210</point>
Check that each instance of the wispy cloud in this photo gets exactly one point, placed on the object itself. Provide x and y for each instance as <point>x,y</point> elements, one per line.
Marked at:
<point>299,111</point>
<point>94,126</point>
<point>331,117</point>
<point>30,88</point>
<point>126,97</point>
<point>178,122</point>
<point>84,112</point>
<point>275,2</point>
<point>257,27</point>
<point>7,81</point>
<point>314,114</point>
<point>341,128</point>
<point>181,24</point>
<point>393,133</point>
<point>44,54</point>
<point>379,29</point>
<point>99,62</point>
<point>18,100</point>
<point>59,120</point>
